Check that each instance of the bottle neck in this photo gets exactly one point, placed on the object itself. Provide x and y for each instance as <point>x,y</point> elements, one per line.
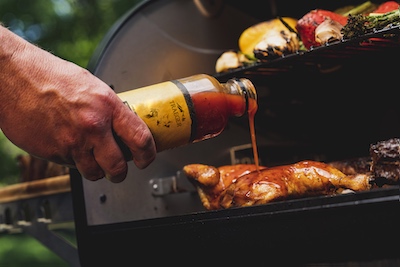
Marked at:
<point>248,97</point>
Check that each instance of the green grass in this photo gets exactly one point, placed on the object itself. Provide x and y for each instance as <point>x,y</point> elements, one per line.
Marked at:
<point>17,250</point>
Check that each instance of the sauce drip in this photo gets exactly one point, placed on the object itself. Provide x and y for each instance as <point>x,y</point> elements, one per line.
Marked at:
<point>253,106</point>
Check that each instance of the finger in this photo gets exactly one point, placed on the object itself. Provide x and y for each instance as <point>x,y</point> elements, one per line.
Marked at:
<point>135,134</point>
<point>110,158</point>
<point>143,150</point>
<point>87,166</point>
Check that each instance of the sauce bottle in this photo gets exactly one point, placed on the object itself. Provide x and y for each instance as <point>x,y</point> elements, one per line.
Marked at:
<point>190,109</point>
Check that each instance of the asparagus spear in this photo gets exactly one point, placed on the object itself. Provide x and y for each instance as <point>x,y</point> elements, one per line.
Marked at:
<point>360,24</point>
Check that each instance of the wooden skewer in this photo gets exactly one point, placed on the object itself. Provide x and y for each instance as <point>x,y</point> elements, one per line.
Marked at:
<point>42,187</point>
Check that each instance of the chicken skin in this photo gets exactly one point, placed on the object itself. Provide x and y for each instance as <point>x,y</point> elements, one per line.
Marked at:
<point>243,185</point>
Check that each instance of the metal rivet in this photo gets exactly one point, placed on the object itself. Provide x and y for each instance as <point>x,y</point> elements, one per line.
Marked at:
<point>103,198</point>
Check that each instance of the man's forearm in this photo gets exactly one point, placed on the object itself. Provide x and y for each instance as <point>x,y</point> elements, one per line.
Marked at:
<point>17,69</point>
<point>10,43</point>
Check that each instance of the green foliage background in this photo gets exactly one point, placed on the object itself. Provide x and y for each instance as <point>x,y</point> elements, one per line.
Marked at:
<point>70,29</point>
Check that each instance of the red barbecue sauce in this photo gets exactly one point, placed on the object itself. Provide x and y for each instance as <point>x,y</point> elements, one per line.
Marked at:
<point>213,110</point>
<point>253,106</point>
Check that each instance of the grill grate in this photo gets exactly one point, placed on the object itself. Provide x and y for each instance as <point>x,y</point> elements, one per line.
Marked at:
<point>383,41</point>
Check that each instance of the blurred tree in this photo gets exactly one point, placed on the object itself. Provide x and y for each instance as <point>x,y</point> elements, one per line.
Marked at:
<point>8,165</point>
<point>70,29</point>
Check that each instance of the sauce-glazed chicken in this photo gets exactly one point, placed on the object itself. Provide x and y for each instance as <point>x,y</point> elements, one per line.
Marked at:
<point>243,185</point>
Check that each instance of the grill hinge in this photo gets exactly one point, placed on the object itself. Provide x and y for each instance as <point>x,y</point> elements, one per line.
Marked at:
<point>171,185</point>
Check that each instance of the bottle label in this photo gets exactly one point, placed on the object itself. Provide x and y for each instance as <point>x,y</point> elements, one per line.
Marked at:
<point>165,108</point>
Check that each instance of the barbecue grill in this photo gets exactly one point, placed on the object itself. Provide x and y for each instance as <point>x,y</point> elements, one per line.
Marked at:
<point>327,104</point>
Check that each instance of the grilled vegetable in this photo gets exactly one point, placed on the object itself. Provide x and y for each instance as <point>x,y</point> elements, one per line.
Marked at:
<point>328,31</point>
<point>309,22</point>
<point>231,60</point>
<point>321,26</point>
<point>364,8</point>
<point>269,37</point>
<point>362,24</point>
<point>387,7</point>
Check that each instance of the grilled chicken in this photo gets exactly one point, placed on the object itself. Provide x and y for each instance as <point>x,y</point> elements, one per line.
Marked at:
<point>243,185</point>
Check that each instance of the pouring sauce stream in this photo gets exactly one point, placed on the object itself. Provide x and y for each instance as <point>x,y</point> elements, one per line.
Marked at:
<point>253,106</point>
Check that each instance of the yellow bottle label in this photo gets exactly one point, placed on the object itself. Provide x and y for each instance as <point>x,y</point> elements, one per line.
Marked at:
<point>165,110</point>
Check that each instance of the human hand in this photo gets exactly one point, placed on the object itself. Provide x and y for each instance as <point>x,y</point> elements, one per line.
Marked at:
<point>56,110</point>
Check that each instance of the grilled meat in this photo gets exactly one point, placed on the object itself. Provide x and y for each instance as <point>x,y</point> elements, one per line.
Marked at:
<point>243,185</point>
<point>386,160</point>
<point>211,182</point>
<point>383,164</point>
<point>353,166</point>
